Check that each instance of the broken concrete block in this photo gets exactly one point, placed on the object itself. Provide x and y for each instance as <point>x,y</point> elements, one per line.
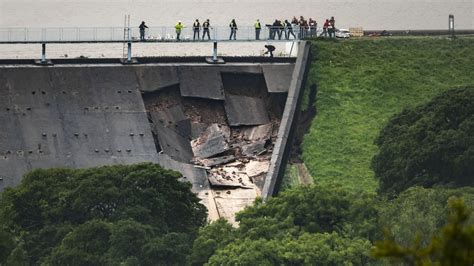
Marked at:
<point>254,148</point>
<point>213,141</point>
<point>261,132</point>
<point>255,168</point>
<point>217,161</point>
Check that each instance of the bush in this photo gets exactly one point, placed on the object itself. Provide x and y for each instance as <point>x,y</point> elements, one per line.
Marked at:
<point>428,145</point>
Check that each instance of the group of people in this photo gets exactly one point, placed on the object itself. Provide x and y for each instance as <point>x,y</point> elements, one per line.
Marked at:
<point>307,28</point>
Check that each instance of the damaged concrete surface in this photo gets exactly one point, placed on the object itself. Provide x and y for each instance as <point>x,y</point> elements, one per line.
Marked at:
<point>216,125</point>
<point>231,137</point>
<point>213,141</point>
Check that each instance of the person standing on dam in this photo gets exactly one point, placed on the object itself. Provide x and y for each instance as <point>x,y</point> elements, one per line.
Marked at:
<point>179,26</point>
<point>142,28</point>
<point>325,28</point>
<point>196,29</point>
<point>332,27</point>
<point>258,28</point>
<point>289,30</point>
<point>205,29</point>
<point>233,29</point>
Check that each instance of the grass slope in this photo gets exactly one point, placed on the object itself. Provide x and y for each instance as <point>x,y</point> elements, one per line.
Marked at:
<point>361,84</point>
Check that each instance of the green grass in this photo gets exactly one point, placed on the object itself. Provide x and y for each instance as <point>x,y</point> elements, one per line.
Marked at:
<point>361,84</point>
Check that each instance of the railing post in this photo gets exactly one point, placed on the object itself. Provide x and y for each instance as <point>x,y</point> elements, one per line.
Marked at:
<point>214,52</point>
<point>26,34</point>
<point>43,53</point>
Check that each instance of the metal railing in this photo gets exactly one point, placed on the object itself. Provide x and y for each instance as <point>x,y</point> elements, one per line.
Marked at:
<point>153,34</point>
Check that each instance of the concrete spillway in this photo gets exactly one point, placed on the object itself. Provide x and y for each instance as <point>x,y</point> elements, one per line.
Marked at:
<point>216,124</point>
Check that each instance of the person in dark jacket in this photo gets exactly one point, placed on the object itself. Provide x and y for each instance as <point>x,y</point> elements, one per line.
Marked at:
<point>280,29</point>
<point>233,29</point>
<point>289,30</point>
<point>142,28</point>
<point>270,49</point>
<point>196,29</point>
<point>205,29</point>
<point>274,29</point>
<point>332,27</point>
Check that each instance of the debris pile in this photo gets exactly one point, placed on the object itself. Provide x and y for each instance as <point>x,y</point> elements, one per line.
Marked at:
<point>228,142</point>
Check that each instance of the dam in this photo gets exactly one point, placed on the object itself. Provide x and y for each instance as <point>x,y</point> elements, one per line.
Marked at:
<point>227,128</point>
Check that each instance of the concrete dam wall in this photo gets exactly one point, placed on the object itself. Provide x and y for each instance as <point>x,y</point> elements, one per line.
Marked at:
<point>216,124</point>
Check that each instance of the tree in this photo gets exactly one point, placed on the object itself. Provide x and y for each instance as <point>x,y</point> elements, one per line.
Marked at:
<point>419,213</point>
<point>306,249</point>
<point>105,215</point>
<point>303,225</point>
<point>428,145</point>
<point>211,237</point>
<point>454,246</point>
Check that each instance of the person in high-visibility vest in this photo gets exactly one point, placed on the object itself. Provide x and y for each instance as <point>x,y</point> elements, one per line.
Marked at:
<point>179,26</point>
<point>258,28</point>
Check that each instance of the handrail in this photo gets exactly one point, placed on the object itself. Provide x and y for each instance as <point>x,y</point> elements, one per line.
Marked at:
<point>153,34</point>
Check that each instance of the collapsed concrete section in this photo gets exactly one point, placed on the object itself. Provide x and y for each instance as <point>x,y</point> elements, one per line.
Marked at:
<point>226,130</point>
<point>218,125</point>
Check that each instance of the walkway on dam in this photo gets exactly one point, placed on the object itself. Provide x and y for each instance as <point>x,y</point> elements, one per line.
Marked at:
<point>152,34</point>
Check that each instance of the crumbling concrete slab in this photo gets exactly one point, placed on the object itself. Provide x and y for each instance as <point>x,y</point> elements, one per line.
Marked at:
<point>155,78</point>
<point>197,129</point>
<point>173,118</point>
<point>256,168</point>
<point>228,176</point>
<point>261,132</point>
<point>197,177</point>
<point>217,160</point>
<point>173,144</point>
<point>278,76</point>
<point>254,149</point>
<point>201,82</point>
<point>243,110</point>
<point>213,141</point>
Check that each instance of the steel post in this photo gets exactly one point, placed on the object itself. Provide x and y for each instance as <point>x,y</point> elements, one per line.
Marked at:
<point>451,25</point>
<point>43,53</point>
<point>129,52</point>
<point>214,52</point>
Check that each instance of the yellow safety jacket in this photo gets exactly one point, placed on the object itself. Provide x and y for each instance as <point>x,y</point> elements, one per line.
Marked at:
<point>178,27</point>
<point>258,25</point>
